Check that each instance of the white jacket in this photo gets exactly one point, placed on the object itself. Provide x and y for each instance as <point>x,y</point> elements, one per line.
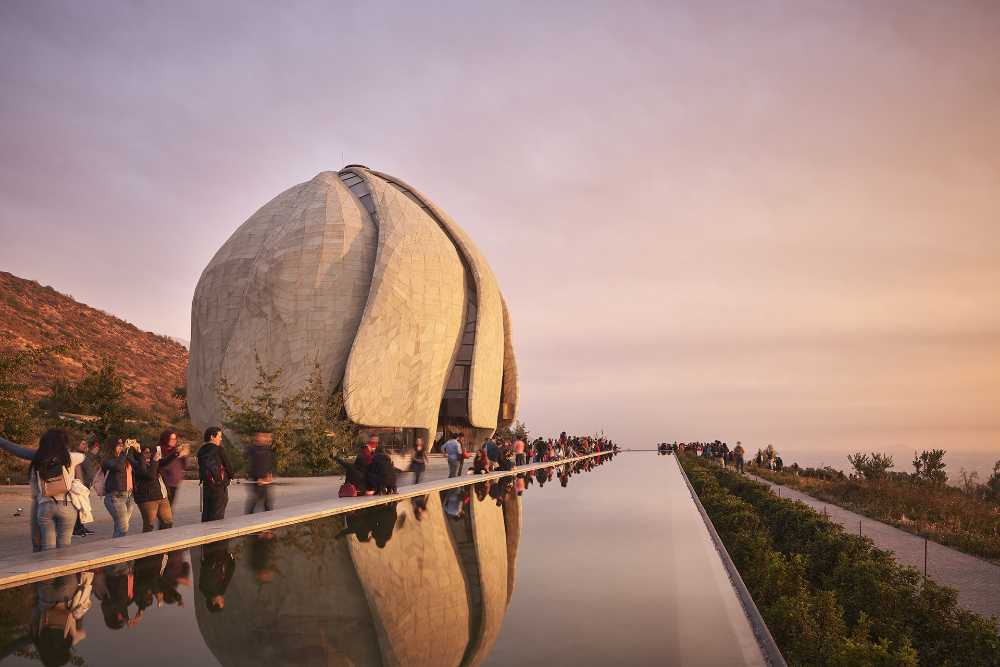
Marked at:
<point>79,495</point>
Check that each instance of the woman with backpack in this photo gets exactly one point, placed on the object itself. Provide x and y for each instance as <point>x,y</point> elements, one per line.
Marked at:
<point>50,475</point>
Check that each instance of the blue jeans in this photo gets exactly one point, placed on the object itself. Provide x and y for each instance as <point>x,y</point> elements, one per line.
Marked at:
<point>120,506</point>
<point>455,467</point>
<point>55,524</point>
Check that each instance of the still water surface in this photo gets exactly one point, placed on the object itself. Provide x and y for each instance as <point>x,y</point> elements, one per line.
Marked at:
<point>603,564</point>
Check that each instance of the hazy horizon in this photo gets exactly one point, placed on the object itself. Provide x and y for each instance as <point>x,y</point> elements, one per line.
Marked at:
<point>775,224</point>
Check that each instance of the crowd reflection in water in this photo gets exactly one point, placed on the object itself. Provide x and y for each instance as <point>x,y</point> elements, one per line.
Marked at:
<point>432,589</point>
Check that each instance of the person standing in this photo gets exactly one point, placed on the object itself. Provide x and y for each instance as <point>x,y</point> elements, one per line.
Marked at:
<point>86,472</point>
<point>172,464</point>
<point>260,456</point>
<point>151,491</point>
<point>214,472</point>
<point>418,463</point>
<point>119,485</point>
<point>738,456</point>
<point>456,454</point>
<point>51,473</point>
<point>519,452</point>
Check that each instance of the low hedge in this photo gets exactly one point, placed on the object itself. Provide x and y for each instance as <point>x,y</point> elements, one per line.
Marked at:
<point>830,598</point>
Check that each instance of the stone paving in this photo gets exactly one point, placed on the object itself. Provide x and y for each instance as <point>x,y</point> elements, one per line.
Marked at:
<point>977,580</point>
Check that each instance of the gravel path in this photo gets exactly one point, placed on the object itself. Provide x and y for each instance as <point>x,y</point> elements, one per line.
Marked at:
<point>976,580</point>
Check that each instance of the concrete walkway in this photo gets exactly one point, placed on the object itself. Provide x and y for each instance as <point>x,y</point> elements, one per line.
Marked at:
<point>976,580</point>
<point>89,553</point>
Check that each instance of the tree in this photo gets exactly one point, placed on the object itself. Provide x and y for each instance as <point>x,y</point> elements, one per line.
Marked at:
<point>874,466</point>
<point>264,411</point>
<point>970,482</point>
<point>993,483</point>
<point>18,418</point>
<point>515,431</point>
<point>322,429</point>
<point>929,466</point>
<point>100,394</point>
<point>180,394</point>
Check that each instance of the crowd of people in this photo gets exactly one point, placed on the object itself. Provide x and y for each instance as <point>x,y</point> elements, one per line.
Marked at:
<point>716,451</point>
<point>131,477</point>
<point>506,453</point>
<point>128,476</point>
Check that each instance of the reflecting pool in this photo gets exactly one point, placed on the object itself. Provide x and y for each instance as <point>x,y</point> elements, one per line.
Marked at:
<point>604,562</point>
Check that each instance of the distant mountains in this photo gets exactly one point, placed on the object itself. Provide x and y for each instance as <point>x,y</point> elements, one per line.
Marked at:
<point>33,316</point>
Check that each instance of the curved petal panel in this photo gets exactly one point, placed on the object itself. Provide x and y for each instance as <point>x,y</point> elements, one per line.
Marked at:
<point>397,368</point>
<point>216,305</point>
<point>305,279</point>
<point>509,393</point>
<point>488,355</point>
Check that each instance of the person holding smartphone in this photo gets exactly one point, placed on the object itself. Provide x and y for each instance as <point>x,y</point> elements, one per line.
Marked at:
<point>119,487</point>
<point>151,492</point>
<point>173,463</point>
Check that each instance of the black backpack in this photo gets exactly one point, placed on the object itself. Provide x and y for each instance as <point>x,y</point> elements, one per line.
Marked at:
<point>215,473</point>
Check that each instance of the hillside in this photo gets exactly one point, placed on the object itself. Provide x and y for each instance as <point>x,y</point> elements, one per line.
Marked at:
<point>33,316</point>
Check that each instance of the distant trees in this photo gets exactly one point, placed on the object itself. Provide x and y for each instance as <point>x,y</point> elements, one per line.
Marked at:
<point>993,483</point>
<point>929,466</point>
<point>516,431</point>
<point>873,466</point>
<point>100,393</point>
<point>18,415</point>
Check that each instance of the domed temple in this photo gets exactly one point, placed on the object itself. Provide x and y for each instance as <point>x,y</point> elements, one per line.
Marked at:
<point>357,272</point>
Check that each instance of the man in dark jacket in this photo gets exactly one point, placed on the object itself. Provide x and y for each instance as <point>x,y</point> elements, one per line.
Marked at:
<point>217,567</point>
<point>261,471</point>
<point>214,471</point>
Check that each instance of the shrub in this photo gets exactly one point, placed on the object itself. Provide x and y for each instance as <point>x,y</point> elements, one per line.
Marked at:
<point>831,598</point>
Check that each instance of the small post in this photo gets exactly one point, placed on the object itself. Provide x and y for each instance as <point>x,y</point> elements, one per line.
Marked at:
<point>925,559</point>
<point>859,527</point>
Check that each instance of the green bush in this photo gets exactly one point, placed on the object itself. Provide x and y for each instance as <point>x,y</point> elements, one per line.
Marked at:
<point>830,598</point>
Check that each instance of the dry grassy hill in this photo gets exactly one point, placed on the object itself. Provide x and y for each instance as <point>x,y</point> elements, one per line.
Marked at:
<point>33,316</point>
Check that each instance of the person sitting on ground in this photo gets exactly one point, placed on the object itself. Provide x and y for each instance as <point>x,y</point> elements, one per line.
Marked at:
<point>355,474</point>
<point>481,463</point>
<point>382,473</point>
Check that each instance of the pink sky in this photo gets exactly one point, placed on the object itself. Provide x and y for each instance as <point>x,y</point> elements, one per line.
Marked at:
<point>775,224</point>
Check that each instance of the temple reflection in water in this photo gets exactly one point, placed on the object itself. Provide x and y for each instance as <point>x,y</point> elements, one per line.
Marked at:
<point>423,581</point>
